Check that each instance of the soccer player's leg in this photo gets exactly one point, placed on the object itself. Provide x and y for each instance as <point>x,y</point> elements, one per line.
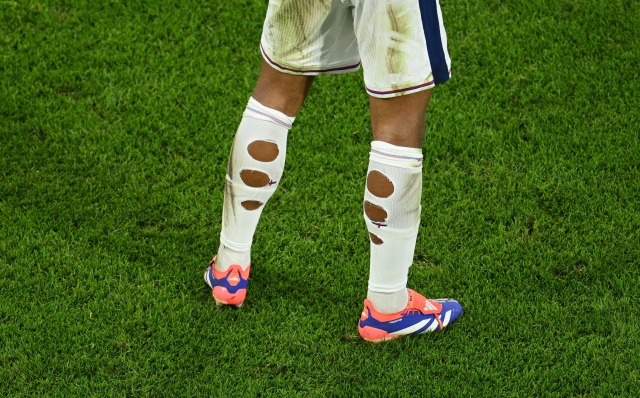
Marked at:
<point>254,171</point>
<point>299,41</point>
<point>411,37</point>
<point>392,213</point>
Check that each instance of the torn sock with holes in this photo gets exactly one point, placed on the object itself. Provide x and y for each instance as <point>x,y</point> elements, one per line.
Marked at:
<point>255,167</point>
<point>392,215</point>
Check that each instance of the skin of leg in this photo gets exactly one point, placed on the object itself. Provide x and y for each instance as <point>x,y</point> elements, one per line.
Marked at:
<point>285,93</point>
<point>281,91</point>
<point>400,120</point>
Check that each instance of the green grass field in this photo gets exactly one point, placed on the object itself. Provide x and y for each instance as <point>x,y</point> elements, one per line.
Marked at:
<point>116,119</point>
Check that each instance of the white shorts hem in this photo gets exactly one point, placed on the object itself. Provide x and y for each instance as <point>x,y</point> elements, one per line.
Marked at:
<point>398,90</point>
<point>308,70</point>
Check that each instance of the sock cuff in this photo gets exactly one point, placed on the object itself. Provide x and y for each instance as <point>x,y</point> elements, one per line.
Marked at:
<point>392,155</point>
<point>258,111</point>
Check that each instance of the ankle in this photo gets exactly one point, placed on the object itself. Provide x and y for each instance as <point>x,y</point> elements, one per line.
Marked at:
<point>388,302</point>
<point>228,257</point>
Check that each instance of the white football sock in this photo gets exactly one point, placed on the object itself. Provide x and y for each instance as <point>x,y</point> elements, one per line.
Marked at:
<point>392,214</point>
<point>388,303</point>
<point>253,174</point>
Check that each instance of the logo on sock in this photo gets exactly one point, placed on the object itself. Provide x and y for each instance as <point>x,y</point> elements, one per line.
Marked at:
<point>271,182</point>
<point>378,224</point>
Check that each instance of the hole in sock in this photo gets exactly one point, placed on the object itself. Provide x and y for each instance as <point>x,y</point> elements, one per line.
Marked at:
<point>374,212</point>
<point>375,239</point>
<point>254,178</point>
<point>263,151</point>
<point>379,184</point>
<point>251,204</point>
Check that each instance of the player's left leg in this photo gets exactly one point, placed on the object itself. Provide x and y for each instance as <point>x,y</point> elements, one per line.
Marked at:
<point>254,171</point>
<point>300,40</point>
<point>281,91</point>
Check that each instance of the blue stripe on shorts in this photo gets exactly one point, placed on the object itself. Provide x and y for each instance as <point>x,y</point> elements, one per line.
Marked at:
<point>435,48</point>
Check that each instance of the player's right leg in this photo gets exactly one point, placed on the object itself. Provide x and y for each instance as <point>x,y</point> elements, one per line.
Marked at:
<point>403,49</point>
<point>392,214</point>
<point>254,171</point>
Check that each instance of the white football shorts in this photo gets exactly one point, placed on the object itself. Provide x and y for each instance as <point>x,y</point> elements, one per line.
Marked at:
<point>402,43</point>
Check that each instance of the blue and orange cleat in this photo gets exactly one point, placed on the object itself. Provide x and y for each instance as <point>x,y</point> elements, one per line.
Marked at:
<point>419,316</point>
<point>227,287</point>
